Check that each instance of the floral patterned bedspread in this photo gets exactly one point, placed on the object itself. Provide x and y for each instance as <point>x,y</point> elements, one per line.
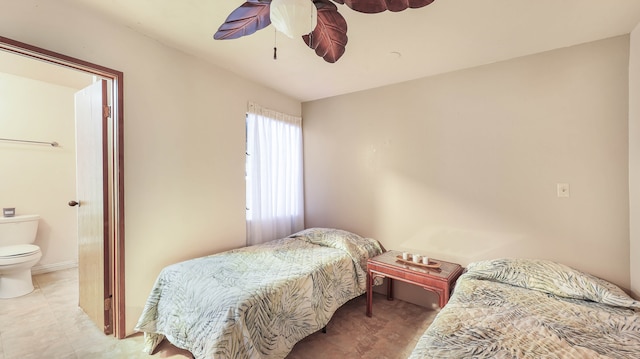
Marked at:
<point>258,301</point>
<point>518,308</point>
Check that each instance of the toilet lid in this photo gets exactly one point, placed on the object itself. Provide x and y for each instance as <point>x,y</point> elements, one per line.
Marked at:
<point>18,250</point>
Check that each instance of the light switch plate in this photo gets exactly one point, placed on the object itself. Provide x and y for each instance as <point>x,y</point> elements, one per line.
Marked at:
<point>563,190</point>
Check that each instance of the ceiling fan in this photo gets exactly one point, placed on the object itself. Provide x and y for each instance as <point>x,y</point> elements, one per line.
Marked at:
<point>328,38</point>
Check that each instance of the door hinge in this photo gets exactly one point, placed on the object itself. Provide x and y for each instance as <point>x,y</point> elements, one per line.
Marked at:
<point>107,304</point>
<point>106,111</point>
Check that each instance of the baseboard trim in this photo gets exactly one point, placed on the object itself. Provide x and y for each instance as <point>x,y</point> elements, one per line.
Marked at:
<point>46,268</point>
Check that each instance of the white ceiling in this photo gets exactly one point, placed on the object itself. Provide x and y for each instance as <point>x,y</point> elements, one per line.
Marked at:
<point>445,36</point>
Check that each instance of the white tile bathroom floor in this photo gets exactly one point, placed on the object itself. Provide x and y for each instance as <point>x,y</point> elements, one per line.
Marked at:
<point>49,324</point>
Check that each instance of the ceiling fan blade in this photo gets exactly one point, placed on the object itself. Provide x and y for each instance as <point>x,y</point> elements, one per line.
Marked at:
<point>329,38</point>
<point>250,17</point>
<point>376,6</point>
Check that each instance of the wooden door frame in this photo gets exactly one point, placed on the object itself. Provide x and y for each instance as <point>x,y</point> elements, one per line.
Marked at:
<point>115,199</point>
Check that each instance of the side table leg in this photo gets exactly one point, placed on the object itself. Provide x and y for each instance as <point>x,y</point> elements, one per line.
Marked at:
<point>389,288</point>
<point>444,298</point>
<point>369,293</point>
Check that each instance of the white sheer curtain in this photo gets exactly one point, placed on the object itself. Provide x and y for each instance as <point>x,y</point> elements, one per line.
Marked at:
<point>275,205</point>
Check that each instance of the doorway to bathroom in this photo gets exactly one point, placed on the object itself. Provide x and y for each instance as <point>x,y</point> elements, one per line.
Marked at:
<point>100,254</point>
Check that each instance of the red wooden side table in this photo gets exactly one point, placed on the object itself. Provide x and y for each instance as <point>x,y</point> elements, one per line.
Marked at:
<point>386,265</point>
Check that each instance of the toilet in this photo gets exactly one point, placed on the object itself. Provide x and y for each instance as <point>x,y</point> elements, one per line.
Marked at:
<point>17,254</point>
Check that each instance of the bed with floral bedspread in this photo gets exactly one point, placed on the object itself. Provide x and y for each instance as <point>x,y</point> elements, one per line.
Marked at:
<point>257,301</point>
<point>519,308</point>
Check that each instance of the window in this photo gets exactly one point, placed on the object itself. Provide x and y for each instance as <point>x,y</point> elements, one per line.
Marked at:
<point>274,175</point>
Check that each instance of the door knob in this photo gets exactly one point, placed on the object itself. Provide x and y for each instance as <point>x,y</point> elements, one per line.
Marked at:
<point>73,203</point>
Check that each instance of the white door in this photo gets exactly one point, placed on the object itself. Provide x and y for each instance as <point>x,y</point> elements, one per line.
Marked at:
<point>94,272</point>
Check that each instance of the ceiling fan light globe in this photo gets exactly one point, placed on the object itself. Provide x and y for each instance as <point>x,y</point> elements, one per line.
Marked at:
<point>293,18</point>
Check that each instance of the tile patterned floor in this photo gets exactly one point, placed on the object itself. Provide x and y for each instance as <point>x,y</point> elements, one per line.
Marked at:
<point>48,324</point>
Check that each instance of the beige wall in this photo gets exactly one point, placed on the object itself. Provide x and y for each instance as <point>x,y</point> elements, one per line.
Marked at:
<point>463,166</point>
<point>634,160</point>
<point>40,179</point>
<point>184,137</point>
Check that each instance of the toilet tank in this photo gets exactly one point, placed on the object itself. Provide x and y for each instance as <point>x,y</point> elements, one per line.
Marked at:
<point>18,230</point>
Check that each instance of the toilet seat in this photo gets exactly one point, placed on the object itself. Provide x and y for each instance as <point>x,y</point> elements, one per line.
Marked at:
<point>18,250</point>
